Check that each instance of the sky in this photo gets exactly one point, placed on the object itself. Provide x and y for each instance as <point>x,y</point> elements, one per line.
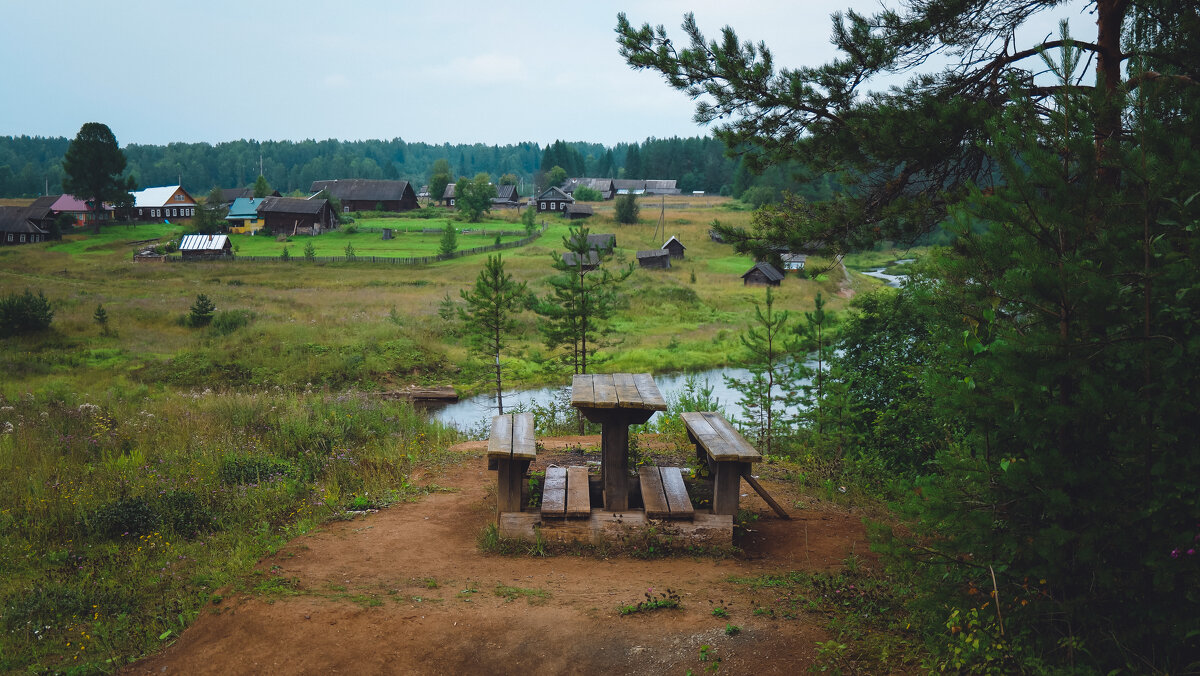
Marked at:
<point>456,72</point>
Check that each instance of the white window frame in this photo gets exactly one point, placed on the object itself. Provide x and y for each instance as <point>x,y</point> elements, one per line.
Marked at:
<point>554,206</point>
<point>22,238</point>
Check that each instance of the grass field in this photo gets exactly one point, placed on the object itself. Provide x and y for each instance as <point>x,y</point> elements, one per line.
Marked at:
<point>146,466</point>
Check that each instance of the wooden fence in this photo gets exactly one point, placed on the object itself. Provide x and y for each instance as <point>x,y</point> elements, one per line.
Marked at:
<point>413,260</point>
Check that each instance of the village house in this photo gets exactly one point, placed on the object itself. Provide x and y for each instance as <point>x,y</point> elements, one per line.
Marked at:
<point>361,194</point>
<point>205,246</point>
<point>243,215</point>
<point>604,186</point>
<point>48,208</point>
<point>296,215</point>
<point>554,200</point>
<point>506,197</point>
<point>17,226</point>
<point>170,203</point>
<point>448,195</point>
<point>654,258</point>
<point>762,274</point>
<point>577,211</point>
<point>674,247</point>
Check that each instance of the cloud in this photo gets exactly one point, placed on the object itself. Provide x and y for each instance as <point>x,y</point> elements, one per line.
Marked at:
<point>489,68</point>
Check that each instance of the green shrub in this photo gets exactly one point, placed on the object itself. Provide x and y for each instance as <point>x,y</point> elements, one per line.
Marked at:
<point>125,517</point>
<point>252,469</point>
<point>228,321</point>
<point>201,312</point>
<point>24,313</point>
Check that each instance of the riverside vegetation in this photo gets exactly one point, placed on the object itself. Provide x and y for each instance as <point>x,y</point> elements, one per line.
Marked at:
<point>149,461</point>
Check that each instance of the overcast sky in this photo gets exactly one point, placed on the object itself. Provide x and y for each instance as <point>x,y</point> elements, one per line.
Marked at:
<point>459,71</point>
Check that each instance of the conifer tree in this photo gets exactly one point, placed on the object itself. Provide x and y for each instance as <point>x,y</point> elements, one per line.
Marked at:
<point>488,316</point>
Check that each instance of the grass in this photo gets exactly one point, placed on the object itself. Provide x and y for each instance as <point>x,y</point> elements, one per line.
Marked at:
<point>404,244</point>
<point>667,600</point>
<point>532,596</point>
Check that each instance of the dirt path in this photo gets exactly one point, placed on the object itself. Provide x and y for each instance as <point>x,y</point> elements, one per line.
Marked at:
<point>406,590</point>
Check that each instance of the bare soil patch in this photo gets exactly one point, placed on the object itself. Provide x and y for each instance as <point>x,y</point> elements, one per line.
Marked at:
<point>406,590</point>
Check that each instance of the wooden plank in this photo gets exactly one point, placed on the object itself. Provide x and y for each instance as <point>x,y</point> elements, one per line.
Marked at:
<point>727,487</point>
<point>524,441</point>
<point>510,479</point>
<point>582,393</point>
<point>500,440</point>
<point>714,529</point>
<point>701,430</point>
<point>579,503</point>
<point>765,496</point>
<point>627,391</point>
<point>615,459</point>
<point>605,391</point>
<point>554,493</point>
<point>651,397</point>
<point>676,492</point>
<point>653,496</point>
<point>734,446</point>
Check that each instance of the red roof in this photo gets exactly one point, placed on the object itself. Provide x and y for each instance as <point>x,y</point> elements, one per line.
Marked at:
<point>72,203</point>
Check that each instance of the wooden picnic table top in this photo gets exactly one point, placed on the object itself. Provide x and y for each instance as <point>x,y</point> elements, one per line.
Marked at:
<point>634,391</point>
<point>718,438</point>
<point>512,437</point>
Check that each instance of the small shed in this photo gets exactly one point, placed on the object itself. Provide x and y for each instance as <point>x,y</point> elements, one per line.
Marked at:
<point>205,246</point>
<point>762,274</point>
<point>448,195</point>
<point>577,211</point>
<point>675,247</point>
<point>654,258</point>
<point>793,262</point>
<point>602,242</point>
<point>590,262</point>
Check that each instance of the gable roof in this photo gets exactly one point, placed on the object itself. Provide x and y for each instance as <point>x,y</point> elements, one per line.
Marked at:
<point>291,205</point>
<point>583,209</point>
<point>158,197</point>
<point>602,184</point>
<point>767,270</point>
<point>449,192</point>
<point>602,241</point>
<point>203,242</point>
<point>555,193</point>
<point>17,220</point>
<point>363,189</point>
<point>673,239</point>
<point>572,259</point>
<point>653,253</point>
<point>230,194</point>
<point>72,203</point>
<point>507,193</point>
<point>45,201</point>
<point>244,207</point>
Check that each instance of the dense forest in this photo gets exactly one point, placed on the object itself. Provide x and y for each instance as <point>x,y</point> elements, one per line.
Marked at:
<point>31,165</point>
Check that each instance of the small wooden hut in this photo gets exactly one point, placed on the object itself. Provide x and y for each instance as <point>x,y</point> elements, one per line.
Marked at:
<point>675,247</point>
<point>590,262</point>
<point>762,274</point>
<point>654,258</point>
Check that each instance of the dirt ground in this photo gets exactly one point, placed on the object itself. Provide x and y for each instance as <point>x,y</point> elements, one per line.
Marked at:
<point>406,590</point>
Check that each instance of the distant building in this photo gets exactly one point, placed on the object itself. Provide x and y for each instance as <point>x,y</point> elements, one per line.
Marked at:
<point>675,247</point>
<point>590,262</point>
<point>605,242</point>
<point>554,200</point>
<point>793,262</point>
<point>762,274</point>
<point>170,203</point>
<point>449,194</point>
<point>577,211</point>
<point>296,215</point>
<point>361,194</point>
<point>243,215</point>
<point>18,226</point>
<point>51,206</point>
<point>654,258</point>
<point>650,186</point>
<point>506,197</point>
<point>228,195</point>
<point>604,186</point>
<point>205,246</point>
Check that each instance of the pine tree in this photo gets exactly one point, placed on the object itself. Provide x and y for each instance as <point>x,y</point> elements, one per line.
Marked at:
<point>488,316</point>
<point>449,243</point>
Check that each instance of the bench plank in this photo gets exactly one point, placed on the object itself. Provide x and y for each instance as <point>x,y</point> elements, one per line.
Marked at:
<point>651,397</point>
<point>500,441</point>
<point>605,392</point>
<point>554,493</point>
<point>581,389</point>
<point>579,503</point>
<point>719,438</point>
<point>676,492</point>
<point>627,391</point>
<point>524,441</point>
<point>653,496</point>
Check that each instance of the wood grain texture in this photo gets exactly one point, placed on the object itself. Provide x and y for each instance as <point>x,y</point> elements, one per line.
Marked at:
<point>500,440</point>
<point>627,391</point>
<point>676,492</point>
<point>579,504</point>
<point>605,392</point>
<point>554,493</point>
<point>653,497</point>
<point>524,441</point>
<point>648,389</point>
<point>582,393</point>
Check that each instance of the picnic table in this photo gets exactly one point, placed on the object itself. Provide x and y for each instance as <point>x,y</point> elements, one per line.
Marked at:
<point>616,401</point>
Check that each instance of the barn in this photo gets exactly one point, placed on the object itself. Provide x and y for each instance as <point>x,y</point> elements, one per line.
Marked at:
<point>675,248</point>
<point>296,215</point>
<point>361,194</point>
<point>577,211</point>
<point>654,258</point>
<point>762,274</point>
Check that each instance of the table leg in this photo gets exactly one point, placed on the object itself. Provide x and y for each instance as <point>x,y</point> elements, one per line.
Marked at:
<point>615,463</point>
<point>510,475</point>
<point>727,487</point>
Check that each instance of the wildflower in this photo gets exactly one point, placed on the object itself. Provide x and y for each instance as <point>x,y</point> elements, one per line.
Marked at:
<point>1175,553</point>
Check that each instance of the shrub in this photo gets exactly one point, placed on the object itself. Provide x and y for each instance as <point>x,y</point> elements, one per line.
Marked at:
<point>585,194</point>
<point>252,469</point>
<point>228,321</point>
<point>24,313</point>
<point>627,209</point>
<point>127,516</point>
<point>201,312</point>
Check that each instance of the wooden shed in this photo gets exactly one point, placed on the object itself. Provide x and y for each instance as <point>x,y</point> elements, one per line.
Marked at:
<point>361,194</point>
<point>577,211</point>
<point>602,242</point>
<point>762,274</point>
<point>590,262</point>
<point>654,258</point>
<point>675,247</point>
<point>205,246</point>
<point>295,215</point>
<point>448,195</point>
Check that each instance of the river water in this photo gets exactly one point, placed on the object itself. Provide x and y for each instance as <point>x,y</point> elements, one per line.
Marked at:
<point>475,413</point>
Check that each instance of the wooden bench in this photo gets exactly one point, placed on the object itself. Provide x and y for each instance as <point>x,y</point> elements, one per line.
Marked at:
<point>664,494</point>
<point>727,453</point>
<point>565,493</point>
<point>511,447</point>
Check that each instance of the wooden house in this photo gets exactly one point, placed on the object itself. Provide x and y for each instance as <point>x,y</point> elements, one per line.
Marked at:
<point>590,262</point>
<point>654,258</point>
<point>205,246</point>
<point>506,197</point>
<point>674,247</point>
<point>75,207</point>
<point>361,194</point>
<point>577,211</point>
<point>762,274</point>
<point>650,186</point>
<point>168,204</point>
<point>554,200</point>
<point>793,262</point>
<point>605,186</point>
<point>296,215</point>
<point>18,226</point>
<point>448,195</point>
<point>605,242</point>
<point>661,187</point>
<point>243,215</point>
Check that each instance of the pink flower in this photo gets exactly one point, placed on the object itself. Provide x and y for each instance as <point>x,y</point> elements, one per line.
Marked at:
<point>1190,552</point>
<point>1175,553</point>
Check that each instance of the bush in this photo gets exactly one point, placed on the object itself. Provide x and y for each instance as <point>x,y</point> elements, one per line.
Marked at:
<point>201,312</point>
<point>24,313</point>
<point>228,321</point>
<point>127,516</point>
<point>627,209</point>
<point>585,194</point>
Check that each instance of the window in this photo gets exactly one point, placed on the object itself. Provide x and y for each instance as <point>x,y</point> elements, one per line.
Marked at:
<point>22,238</point>
<point>345,210</point>
<point>554,206</point>
<point>10,237</point>
<point>451,201</point>
<point>542,206</point>
<point>178,197</point>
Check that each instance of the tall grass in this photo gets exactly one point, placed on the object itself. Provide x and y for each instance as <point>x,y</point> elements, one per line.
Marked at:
<point>122,513</point>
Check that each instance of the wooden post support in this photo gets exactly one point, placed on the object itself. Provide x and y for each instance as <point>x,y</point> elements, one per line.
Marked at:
<point>727,487</point>
<point>510,476</point>
<point>616,467</point>
<point>763,493</point>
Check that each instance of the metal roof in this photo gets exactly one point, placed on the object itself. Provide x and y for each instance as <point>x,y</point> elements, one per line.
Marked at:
<point>203,242</point>
<point>159,197</point>
<point>363,189</point>
<point>673,240</point>
<point>244,207</point>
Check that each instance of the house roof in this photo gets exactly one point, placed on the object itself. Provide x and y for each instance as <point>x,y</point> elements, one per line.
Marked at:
<point>673,239</point>
<point>448,193</point>
<point>653,186</point>
<point>602,241</point>
<point>363,189</point>
<point>203,242</point>
<point>45,201</point>
<point>244,207</point>
<point>291,205</point>
<point>72,203</point>
<point>16,220</point>
<point>508,193</point>
<point>769,271</point>
<point>230,194</point>
<point>653,253</point>
<point>555,193</point>
<point>586,210</point>
<point>601,184</point>
<point>572,259</point>
<point>158,197</point>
